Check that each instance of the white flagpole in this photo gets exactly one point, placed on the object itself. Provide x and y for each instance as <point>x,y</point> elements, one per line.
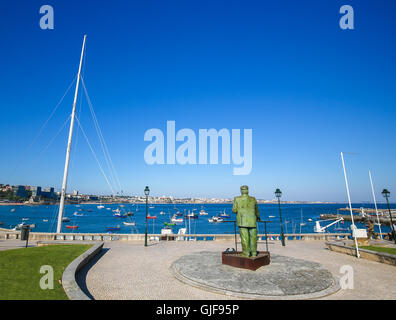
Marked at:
<point>350,207</point>
<point>65,173</point>
<point>375,203</point>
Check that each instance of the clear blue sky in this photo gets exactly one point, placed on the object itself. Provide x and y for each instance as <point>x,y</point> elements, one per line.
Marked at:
<point>285,69</point>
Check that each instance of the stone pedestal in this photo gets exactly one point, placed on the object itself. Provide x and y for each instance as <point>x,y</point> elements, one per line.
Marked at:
<point>234,259</point>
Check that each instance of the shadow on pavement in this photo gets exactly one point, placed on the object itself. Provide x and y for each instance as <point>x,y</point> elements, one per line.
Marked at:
<point>81,276</point>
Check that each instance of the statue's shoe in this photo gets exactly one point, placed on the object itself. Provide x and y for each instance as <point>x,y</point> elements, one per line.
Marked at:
<point>254,255</point>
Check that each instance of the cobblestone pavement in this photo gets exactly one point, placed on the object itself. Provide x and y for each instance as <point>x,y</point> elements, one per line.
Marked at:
<point>128,270</point>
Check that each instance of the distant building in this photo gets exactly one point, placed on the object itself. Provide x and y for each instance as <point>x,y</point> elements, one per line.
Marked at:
<point>36,191</point>
<point>75,193</point>
<point>20,191</point>
<point>48,193</point>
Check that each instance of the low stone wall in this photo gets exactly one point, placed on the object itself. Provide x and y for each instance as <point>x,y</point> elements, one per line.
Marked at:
<point>45,236</point>
<point>72,289</point>
<point>364,253</point>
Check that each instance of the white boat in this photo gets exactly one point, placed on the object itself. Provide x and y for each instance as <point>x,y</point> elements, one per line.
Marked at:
<point>310,220</point>
<point>77,214</point>
<point>215,220</point>
<point>271,216</point>
<point>65,219</point>
<point>12,210</point>
<point>162,213</point>
<point>25,219</point>
<point>108,208</point>
<point>176,219</point>
<point>129,223</point>
<point>19,226</point>
<point>100,207</point>
<point>45,220</point>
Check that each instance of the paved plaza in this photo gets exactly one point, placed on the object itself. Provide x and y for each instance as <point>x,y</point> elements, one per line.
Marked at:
<point>127,270</point>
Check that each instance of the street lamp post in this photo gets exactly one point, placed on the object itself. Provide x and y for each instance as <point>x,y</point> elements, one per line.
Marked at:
<point>146,192</point>
<point>386,195</point>
<point>278,194</point>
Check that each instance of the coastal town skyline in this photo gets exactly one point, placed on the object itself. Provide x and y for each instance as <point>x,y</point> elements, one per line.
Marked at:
<point>40,195</point>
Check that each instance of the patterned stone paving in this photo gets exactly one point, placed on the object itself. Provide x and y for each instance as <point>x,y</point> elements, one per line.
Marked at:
<point>285,277</point>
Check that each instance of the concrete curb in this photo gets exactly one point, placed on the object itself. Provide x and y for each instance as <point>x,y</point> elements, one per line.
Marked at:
<point>72,289</point>
<point>381,257</point>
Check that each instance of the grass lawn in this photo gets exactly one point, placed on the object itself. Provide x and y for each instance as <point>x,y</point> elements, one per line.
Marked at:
<point>20,271</point>
<point>380,249</point>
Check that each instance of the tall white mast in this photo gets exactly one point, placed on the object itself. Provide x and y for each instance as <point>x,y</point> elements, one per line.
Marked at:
<point>65,173</point>
<point>350,205</point>
<point>375,203</point>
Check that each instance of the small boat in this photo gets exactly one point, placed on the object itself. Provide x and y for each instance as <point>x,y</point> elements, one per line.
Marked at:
<point>191,216</point>
<point>117,210</point>
<point>122,206</point>
<point>25,219</point>
<point>119,215</point>
<point>271,216</point>
<point>19,226</point>
<point>176,219</point>
<point>151,217</point>
<point>162,213</point>
<point>225,215</point>
<point>100,207</point>
<point>129,223</point>
<point>169,224</point>
<point>117,228</point>
<point>71,227</point>
<point>77,214</point>
<point>215,220</point>
<point>130,213</point>
<point>108,208</point>
<point>45,220</point>
<point>310,220</point>
<point>65,219</point>
<point>12,210</point>
<point>151,207</point>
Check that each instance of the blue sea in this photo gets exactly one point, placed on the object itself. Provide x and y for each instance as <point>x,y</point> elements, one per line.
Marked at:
<point>98,220</point>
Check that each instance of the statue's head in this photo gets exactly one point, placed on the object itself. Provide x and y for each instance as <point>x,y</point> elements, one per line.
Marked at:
<point>244,190</point>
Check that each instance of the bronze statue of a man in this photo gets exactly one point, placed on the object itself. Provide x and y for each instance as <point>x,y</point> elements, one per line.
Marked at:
<point>247,216</point>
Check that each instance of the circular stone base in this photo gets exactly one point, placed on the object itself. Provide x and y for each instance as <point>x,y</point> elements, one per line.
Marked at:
<point>283,278</point>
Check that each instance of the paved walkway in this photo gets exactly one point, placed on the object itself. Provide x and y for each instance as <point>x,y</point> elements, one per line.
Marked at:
<point>127,270</point>
<point>15,244</point>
